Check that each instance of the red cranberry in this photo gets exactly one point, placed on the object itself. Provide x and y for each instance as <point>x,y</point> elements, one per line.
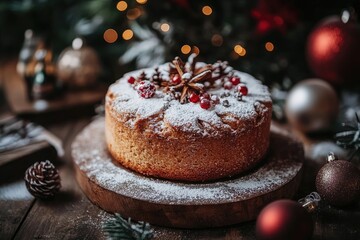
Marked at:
<point>146,89</point>
<point>194,98</point>
<point>205,103</point>
<point>131,80</point>
<point>235,80</point>
<point>176,79</point>
<point>228,85</point>
<point>243,89</point>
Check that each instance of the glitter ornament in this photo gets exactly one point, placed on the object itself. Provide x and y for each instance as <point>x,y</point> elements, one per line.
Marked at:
<point>338,182</point>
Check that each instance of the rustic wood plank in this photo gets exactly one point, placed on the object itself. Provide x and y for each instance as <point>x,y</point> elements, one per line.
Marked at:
<point>244,231</point>
<point>15,202</point>
<point>333,223</point>
<point>70,215</point>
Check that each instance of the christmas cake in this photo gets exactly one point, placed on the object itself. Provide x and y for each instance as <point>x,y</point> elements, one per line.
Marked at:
<point>188,121</point>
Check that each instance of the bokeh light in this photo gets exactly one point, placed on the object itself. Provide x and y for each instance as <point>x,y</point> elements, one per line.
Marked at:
<point>141,1</point>
<point>121,6</point>
<point>165,27</point>
<point>185,49</point>
<point>196,50</point>
<point>127,34</point>
<point>269,46</point>
<point>240,50</point>
<point>110,35</point>
<point>77,43</point>
<point>207,10</point>
<point>133,14</point>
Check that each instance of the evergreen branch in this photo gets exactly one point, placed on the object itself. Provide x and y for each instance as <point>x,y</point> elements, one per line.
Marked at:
<point>122,229</point>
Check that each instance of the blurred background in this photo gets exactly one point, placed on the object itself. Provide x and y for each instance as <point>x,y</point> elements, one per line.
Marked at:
<point>265,37</point>
<point>271,39</point>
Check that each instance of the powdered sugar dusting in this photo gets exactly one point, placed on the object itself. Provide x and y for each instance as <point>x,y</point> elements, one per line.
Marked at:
<point>90,154</point>
<point>126,101</point>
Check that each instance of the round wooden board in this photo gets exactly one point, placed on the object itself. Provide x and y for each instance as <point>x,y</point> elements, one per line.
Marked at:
<point>185,205</point>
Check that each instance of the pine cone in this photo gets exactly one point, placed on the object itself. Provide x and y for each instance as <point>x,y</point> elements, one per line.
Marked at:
<point>42,180</point>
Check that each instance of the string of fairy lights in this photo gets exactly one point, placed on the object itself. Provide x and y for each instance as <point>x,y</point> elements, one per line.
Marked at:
<point>111,35</point>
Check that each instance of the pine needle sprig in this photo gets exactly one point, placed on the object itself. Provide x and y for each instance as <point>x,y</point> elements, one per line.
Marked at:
<point>350,137</point>
<point>119,228</point>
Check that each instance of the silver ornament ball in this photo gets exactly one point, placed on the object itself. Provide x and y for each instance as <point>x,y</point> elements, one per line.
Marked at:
<point>79,66</point>
<point>312,105</point>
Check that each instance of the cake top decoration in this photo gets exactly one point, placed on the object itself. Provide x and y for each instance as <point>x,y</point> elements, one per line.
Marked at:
<point>190,82</point>
<point>212,99</point>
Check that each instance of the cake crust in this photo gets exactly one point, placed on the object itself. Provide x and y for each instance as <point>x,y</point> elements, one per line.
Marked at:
<point>160,137</point>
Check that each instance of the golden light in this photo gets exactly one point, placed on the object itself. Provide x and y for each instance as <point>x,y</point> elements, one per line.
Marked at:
<point>243,52</point>
<point>141,1</point>
<point>217,40</point>
<point>185,49</point>
<point>133,14</point>
<point>121,6</point>
<point>207,10</point>
<point>269,46</point>
<point>127,34</point>
<point>110,35</point>
<point>239,50</point>
<point>165,27</point>
<point>196,50</point>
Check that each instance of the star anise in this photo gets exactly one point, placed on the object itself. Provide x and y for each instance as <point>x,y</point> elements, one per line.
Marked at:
<point>191,78</point>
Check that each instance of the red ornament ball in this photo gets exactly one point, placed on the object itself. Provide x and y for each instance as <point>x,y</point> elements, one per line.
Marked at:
<point>146,89</point>
<point>338,183</point>
<point>205,103</point>
<point>284,220</point>
<point>333,51</point>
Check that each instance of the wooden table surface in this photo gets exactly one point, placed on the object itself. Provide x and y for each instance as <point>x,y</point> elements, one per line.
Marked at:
<point>71,215</point>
